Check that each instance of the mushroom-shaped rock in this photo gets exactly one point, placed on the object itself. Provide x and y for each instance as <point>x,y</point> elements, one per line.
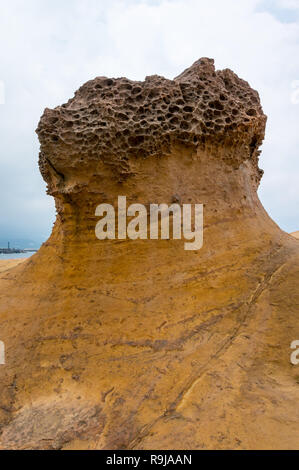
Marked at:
<point>140,344</point>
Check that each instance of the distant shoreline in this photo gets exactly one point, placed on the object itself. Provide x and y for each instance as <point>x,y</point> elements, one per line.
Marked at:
<point>11,251</point>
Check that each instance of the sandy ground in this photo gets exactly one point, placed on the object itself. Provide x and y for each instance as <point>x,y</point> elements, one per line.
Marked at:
<point>6,264</point>
<point>295,234</point>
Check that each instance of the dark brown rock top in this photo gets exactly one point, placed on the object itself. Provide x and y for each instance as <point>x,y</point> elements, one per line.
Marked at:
<point>112,120</point>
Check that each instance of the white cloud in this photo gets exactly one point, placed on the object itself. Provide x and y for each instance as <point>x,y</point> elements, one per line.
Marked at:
<point>48,49</point>
<point>292,4</point>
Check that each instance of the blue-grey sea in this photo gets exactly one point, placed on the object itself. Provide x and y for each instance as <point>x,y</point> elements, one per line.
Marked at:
<point>16,255</point>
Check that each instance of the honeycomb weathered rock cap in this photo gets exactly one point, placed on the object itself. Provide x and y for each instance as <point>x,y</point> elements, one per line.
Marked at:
<point>114,119</point>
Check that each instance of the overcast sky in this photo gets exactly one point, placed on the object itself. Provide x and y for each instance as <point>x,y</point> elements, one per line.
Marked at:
<point>48,48</point>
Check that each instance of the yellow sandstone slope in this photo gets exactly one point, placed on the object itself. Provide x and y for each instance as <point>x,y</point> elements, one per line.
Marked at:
<point>123,344</point>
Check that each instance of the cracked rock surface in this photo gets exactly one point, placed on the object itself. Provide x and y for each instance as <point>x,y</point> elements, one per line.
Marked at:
<point>122,344</point>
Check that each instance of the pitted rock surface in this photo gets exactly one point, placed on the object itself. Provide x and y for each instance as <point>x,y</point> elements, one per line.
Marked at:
<point>114,119</point>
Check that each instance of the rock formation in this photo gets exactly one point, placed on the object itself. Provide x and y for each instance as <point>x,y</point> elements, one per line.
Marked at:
<point>138,344</point>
